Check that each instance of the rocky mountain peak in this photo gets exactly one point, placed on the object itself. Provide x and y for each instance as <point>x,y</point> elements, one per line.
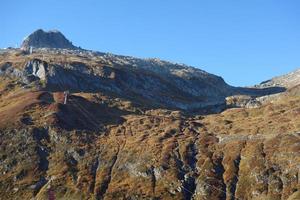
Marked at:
<point>47,39</point>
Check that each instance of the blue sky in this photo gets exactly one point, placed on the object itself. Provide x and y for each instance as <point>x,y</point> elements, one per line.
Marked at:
<point>245,42</point>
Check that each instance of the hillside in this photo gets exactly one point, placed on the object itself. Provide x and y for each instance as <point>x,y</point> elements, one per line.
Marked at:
<point>141,129</point>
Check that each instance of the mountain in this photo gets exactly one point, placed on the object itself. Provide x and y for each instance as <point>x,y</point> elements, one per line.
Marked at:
<point>50,39</point>
<point>141,129</point>
<point>147,82</point>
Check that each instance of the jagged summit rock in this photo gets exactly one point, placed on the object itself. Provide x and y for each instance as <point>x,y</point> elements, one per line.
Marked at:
<point>47,39</point>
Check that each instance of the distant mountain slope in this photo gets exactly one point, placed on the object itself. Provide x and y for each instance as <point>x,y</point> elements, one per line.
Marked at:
<point>288,80</point>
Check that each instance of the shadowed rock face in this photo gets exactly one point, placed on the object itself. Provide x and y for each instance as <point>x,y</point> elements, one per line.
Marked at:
<point>50,39</point>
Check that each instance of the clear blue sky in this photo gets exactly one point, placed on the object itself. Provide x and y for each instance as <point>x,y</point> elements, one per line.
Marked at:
<point>245,42</point>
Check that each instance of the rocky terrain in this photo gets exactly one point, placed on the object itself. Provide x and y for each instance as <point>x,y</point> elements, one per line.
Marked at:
<point>141,129</point>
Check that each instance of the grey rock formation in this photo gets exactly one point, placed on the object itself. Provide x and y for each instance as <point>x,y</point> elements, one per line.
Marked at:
<point>36,68</point>
<point>50,39</point>
<point>33,70</point>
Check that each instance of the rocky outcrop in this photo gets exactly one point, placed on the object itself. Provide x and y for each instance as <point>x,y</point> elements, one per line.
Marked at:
<point>242,101</point>
<point>32,71</point>
<point>36,68</point>
<point>50,39</point>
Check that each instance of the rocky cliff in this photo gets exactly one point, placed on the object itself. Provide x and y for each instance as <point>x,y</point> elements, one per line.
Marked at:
<point>137,129</point>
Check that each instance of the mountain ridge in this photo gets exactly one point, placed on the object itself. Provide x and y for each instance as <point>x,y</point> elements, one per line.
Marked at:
<point>288,80</point>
